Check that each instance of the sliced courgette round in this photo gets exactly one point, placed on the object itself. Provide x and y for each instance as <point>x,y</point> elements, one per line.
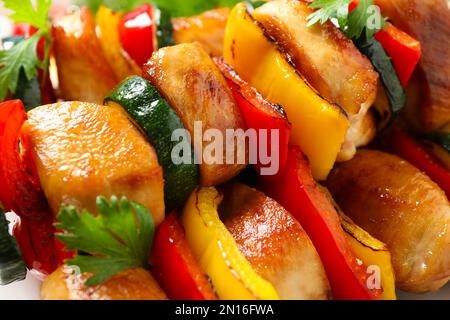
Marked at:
<point>158,121</point>
<point>164,27</point>
<point>12,266</point>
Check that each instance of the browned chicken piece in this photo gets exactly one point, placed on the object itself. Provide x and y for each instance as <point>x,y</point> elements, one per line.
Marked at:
<point>402,207</point>
<point>429,22</point>
<point>131,284</point>
<point>329,61</point>
<point>84,150</point>
<point>83,70</point>
<point>208,29</point>
<point>274,243</point>
<point>195,88</point>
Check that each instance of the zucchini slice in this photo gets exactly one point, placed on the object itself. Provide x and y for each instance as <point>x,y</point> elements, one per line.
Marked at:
<point>164,27</point>
<point>158,121</point>
<point>12,266</point>
<point>395,93</point>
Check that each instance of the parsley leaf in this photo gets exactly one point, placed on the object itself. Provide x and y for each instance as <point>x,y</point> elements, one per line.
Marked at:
<point>366,17</point>
<point>119,238</point>
<point>25,12</point>
<point>21,56</point>
<point>329,9</point>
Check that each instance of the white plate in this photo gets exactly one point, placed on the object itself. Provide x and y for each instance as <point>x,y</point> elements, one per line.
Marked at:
<point>29,290</point>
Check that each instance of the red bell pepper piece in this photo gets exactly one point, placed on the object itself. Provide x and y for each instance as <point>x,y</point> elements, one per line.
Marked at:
<point>404,50</point>
<point>174,266</point>
<point>137,32</point>
<point>259,114</point>
<point>297,191</point>
<point>21,192</point>
<point>407,148</point>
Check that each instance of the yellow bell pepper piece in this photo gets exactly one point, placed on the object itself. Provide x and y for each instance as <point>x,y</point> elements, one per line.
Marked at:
<point>217,253</point>
<point>372,252</point>
<point>108,34</point>
<point>318,127</point>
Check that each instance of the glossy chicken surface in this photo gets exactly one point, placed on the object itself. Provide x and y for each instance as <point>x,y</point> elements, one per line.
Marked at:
<point>329,61</point>
<point>195,88</point>
<point>429,22</point>
<point>402,207</point>
<point>85,150</point>
<point>131,284</point>
<point>208,29</point>
<point>83,70</point>
<point>274,243</point>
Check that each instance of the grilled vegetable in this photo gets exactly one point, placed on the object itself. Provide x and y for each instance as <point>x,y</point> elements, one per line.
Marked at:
<point>175,267</point>
<point>259,114</point>
<point>217,253</point>
<point>164,27</point>
<point>12,266</point>
<point>382,63</point>
<point>154,115</point>
<point>21,192</point>
<point>329,61</point>
<point>263,229</point>
<point>429,23</point>
<point>195,88</point>
<point>296,190</point>
<point>399,143</point>
<point>317,126</point>
<point>83,69</point>
<point>131,284</point>
<point>208,29</point>
<point>82,150</point>
<point>137,31</point>
<point>402,207</point>
<point>108,34</point>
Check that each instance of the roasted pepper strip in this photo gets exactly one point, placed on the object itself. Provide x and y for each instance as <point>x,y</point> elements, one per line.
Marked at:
<point>174,266</point>
<point>20,192</point>
<point>404,50</point>
<point>318,127</point>
<point>301,196</point>
<point>259,114</point>
<point>371,251</point>
<point>217,253</point>
<point>407,148</point>
<point>137,31</point>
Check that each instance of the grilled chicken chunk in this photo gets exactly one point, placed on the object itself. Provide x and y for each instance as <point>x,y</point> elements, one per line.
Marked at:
<point>429,22</point>
<point>131,284</point>
<point>402,207</point>
<point>84,150</point>
<point>83,70</point>
<point>195,88</point>
<point>274,243</point>
<point>329,61</point>
<point>208,29</point>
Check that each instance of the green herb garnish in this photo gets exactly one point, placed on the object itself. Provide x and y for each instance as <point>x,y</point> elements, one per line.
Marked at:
<point>366,17</point>
<point>22,57</point>
<point>118,239</point>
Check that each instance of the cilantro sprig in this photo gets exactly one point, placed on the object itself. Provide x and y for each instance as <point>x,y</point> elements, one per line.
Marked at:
<point>118,239</point>
<point>23,56</point>
<point>366,17</point>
